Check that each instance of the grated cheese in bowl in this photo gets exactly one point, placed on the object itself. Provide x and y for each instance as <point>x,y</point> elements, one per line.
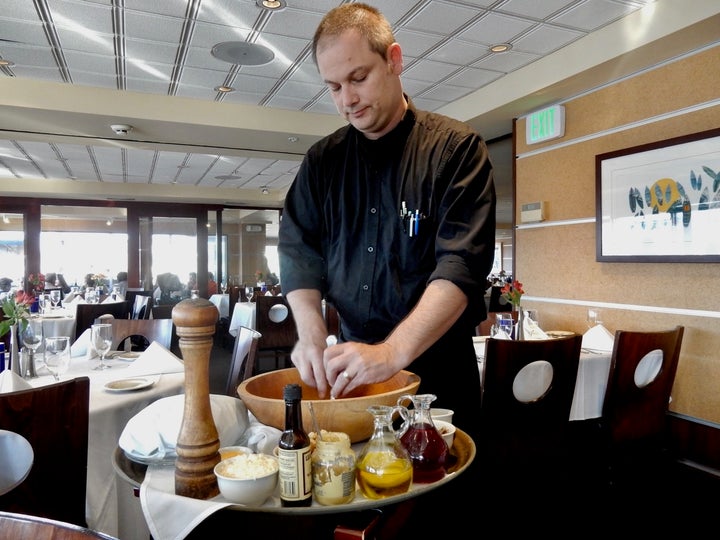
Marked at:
<point>248,466</point>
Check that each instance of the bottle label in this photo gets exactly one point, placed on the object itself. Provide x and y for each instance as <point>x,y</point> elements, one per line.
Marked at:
<point>295,474</point>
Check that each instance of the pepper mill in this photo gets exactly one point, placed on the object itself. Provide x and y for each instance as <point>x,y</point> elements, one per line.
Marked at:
<point>198,441</point>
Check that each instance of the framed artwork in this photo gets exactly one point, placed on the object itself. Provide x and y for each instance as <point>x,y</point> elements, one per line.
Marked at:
<point>660,202</point>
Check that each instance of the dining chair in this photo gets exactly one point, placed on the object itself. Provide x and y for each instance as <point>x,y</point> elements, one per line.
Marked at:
<point>244,358</point>
<point>162,312</point>
<point>276,324</point>
<point>54,420</point>
<point>86,314</point>
<point>633,429</point>
<point>149,330</point>
<point>22,526</point>
<point>524,414</point>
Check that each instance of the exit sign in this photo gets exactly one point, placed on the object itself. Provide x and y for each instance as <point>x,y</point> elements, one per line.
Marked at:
<point>545,124</point>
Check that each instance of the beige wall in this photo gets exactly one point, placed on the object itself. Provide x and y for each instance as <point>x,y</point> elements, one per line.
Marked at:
<point>555,261</point>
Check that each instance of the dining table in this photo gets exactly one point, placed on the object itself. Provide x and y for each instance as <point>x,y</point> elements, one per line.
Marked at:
<point>590,384</point>
<point>58,322</point>
<point>155,373</point>
<point>222,303</point>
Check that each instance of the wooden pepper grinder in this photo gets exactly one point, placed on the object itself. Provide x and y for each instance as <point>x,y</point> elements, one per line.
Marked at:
<point>198,441</point>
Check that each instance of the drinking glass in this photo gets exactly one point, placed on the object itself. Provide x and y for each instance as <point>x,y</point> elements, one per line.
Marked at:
<point>223,287</point>
<point>55,298</point>
<point>249,293</point>
<point>32,338</point>
<point>101,339</point>
<point>594,317</point>
<point>57,355</point>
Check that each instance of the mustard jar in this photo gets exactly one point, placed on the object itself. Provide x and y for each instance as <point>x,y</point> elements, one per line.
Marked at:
<point>333,469</point>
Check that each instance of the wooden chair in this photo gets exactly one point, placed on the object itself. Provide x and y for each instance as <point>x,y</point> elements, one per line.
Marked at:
<point>276,324</point>
<point>244,357</point>
<point>162,312</point>
<point>634,427</point>
<point>24,527</point>
<point>86,314</point>
<point>54,420</point>
<point>483,329</point>
<point>524,413</point>
<point>160,330</point>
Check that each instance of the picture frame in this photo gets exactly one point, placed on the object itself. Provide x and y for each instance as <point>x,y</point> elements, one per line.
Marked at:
<point>660,202</point>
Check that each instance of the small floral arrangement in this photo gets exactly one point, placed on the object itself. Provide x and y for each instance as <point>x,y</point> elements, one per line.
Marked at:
<point>512,292</point>
<point>37,282</point>
<point>16,310</point>
<point>98,279</point>
<point>258,276</point>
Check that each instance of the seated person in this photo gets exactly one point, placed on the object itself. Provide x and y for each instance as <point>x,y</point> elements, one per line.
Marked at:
<point>121,283</point>
<point>212,284</point>
<point>169,289</point>
<point>5,286</point>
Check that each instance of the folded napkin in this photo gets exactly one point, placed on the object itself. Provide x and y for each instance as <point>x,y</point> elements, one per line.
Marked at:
<point>152,433</point>
<point>81,346</point>
<point>153,360</point>
<point>598,338</point>
<point>12,382</point>
<point>532,330</point>
<point>261,438</point>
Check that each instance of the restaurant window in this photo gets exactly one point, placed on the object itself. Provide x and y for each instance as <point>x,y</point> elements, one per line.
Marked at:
<point>12,249</point>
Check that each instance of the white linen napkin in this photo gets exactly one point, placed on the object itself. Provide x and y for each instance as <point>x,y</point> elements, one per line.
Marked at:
<point>151,435</point>
<point>532,330</point>
<point>172,517</point>
<point>12,382</point>
<point>81,346</point>
<point>598,338</point>
<point>153,360</point>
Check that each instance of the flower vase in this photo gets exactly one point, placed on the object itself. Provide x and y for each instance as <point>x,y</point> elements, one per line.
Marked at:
<point>520,326</point>
<point>14,351</point>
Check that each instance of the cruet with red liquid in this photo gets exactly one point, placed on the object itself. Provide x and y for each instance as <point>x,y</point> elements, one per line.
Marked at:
<point>423,442</point>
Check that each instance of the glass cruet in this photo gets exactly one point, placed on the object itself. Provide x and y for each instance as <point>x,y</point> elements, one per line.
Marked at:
<point>383,465</point>
<point>423,442</point>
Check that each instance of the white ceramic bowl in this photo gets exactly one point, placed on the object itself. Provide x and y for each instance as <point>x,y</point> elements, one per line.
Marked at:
<point>447,430</point>
<point>248,479</point>
<point>226,452</point>
<point>446,415</point>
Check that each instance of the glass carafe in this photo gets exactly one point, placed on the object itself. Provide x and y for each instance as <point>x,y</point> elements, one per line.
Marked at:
<point>383,465</point>
<point>423,442</point>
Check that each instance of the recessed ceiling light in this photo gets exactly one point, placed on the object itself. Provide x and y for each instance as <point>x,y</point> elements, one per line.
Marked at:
<point>293,139</point>
<point>265,190</point>
<point>272,5</point>
<point>224,89</point>
<point>500,47</point>
<point>242,53</point>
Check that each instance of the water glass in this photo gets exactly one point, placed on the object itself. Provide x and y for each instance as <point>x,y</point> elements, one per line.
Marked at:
<point>57,355</point>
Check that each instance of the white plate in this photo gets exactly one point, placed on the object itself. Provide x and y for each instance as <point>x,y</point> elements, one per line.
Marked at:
<point>129,356</point>
<point>128,385</point>
<point>150,460</point>
<point>559,333</point>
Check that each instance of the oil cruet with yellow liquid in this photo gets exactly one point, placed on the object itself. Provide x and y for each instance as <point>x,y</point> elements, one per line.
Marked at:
<point>383,465</point>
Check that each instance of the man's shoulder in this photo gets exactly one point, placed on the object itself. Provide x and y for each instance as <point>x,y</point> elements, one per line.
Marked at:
<point>436,121</point>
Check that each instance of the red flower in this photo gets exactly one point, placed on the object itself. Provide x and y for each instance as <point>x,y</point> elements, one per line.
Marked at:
<point>512,292</point>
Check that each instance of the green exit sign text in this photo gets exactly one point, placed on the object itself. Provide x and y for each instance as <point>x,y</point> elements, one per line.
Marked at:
<point>545,124</point>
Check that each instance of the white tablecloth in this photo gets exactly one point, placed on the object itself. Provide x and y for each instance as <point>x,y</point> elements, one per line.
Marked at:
<point>590,385</point>
<point>59,322</point>
<point>109,412</point>
<point>222,303</point>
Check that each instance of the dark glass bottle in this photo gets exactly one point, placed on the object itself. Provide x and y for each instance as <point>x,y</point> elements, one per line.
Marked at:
<point>294,453</point>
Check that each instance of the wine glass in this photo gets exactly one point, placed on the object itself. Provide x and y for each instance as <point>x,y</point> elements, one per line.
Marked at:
<point>101,339</point>
<point>57,355</point>
<point>55,298</point>
<point>249,293</point>
<point>223,286</point>
<point>32,338</point>
<point>594,317</point>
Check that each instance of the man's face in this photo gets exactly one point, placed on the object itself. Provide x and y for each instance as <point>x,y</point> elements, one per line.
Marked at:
<point>366,89</point>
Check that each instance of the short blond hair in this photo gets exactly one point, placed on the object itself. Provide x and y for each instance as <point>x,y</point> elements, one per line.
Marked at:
<point>367,20</point>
